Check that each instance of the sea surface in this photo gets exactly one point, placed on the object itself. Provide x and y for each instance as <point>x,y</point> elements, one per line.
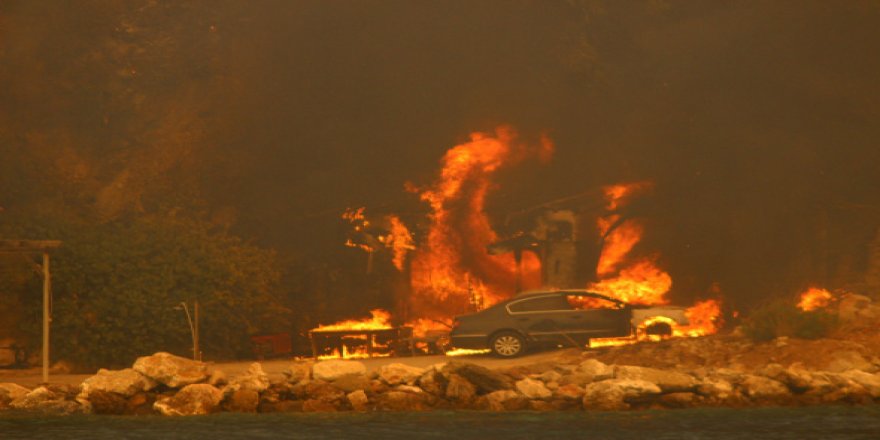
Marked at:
<point>833,422</point>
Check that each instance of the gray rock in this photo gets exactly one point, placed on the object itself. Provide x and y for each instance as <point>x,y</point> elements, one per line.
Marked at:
<point>194,399</point>
<point>10,391</point>
<point>459,390</point>
<point>41,399</point>
<point>127,382</point>
<point>484,379</point>
<point>172,371</point>
<point>243,400</point>
<point>762,388</point>
<point>569,392</point>
<point>846,360</point>
<point>668,381</point>
<point>614,394</point>
<point>401,401</point>
<point>253,379</point>
<point>497,400</point>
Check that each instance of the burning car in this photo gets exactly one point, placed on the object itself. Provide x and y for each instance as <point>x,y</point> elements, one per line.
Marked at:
<point>570,317</point>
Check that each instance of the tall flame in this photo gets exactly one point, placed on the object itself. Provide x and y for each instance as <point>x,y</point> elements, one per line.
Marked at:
<point>640,282</point>
<point>453,269</point>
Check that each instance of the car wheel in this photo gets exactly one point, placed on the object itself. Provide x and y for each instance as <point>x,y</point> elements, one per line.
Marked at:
<point>507,344</point>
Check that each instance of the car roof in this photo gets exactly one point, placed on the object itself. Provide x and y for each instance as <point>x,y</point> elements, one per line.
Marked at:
<point>579,292</point>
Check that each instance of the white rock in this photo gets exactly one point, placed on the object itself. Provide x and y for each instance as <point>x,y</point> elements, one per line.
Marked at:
<point>11,391</point>
<point>127,382</point>
<point>334,369</point>
<point>612,394</point>
<point>668,381</point>
<point>358,400</point>
<point>254,379</point>
<point>595,368</point>
<point>173,371</point>
<point>533,389</point>
<point>395,374</point>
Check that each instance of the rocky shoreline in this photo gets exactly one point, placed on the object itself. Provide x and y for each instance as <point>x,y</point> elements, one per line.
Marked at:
<point>165,384</point>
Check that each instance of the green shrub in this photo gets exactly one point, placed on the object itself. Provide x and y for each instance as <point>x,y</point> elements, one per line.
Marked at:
<point>781,318</point>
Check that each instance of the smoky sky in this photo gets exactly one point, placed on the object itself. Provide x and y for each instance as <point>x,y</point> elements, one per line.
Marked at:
<point>756,121</point>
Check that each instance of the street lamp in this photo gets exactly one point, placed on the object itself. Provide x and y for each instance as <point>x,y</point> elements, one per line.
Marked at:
<point>193,328</point>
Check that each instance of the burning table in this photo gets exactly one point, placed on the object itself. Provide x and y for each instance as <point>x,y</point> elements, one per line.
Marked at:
<point>361,342</point>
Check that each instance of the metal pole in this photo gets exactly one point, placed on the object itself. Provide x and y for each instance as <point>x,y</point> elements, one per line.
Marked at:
<point>46,318</point>
<point>197,353</point>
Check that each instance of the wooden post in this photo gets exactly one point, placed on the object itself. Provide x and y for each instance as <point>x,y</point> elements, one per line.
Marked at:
<point>46,318</point>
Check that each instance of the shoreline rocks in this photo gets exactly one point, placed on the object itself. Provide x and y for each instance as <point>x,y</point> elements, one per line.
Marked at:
<point>169,385</point>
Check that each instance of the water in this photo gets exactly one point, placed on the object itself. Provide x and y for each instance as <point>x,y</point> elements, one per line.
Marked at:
<point>753,424</point>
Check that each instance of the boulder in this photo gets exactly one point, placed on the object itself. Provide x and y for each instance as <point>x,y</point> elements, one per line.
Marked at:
<point>323,391</point>
<point>172,371</point>
<point>668,381</point>
<point>396,374</point>
<point>459,390</point>
<point>127,383</point>
<point>218,378</point>
<point>298,371</point>
<point>549,376</point>
<point>533,389</point>
<point>194,399</point>
<point>678,400</point>
<point>846,360</point>
<point>871,382</point>
<point>352,383</point>
<point>10,391</point>
<point>243,400</point>
<point>401,401</point>
<point>762,388</point>
<point>854,307</point>
<point>433,382</point>
<point>140,404</point>
<point>716,388</point>
<point>595,370</point>
<point>358,400</point>
<point>578,378</point>
<point>42,399</point>
<point>506,400</point>
<point>569,392</point>
<point>253,379</point>
<point>329,371</point>
<point>615,394</point>
<point>106,402</point>
<point>484,379</point>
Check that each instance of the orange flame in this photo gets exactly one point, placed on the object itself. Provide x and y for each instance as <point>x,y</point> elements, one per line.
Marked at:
<point>453,268</point>
<point>380,320</point>
<point>814,298</point>
<point>704,317</point>
<point>399,240</point>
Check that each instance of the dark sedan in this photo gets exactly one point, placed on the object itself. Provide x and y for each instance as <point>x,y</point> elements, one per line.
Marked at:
<point>568,317</point>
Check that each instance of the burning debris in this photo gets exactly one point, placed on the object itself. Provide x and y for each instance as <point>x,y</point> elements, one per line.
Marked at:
<point>815,298</point>
<point>460,264</point>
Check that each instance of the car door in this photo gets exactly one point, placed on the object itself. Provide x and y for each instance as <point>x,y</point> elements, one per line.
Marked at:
<point>541,317</point>
<point>599,317</point>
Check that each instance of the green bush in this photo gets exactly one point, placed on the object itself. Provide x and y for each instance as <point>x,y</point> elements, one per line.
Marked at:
<point>115,287</point>
<point>781,318</point>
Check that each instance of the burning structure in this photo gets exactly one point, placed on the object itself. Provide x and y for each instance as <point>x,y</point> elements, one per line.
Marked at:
<point>458,263</point>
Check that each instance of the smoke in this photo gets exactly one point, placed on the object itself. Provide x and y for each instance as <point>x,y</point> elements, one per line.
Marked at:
<point>756,121</point>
